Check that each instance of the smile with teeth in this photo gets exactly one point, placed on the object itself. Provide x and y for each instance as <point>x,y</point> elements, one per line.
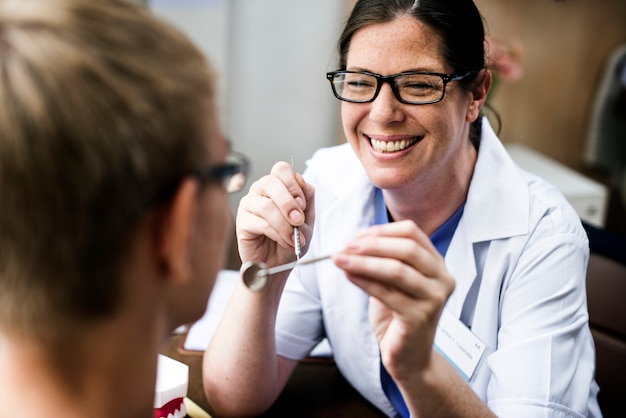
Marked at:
<point>392,146</point>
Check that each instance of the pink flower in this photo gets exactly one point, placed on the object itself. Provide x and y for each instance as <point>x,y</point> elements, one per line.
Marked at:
<point>504,60</point>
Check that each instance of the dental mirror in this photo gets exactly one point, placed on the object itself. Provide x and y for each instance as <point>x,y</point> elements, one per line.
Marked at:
<point>255,275</point>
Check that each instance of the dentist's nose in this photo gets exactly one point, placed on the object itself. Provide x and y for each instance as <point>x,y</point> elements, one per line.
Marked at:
<point>386,108</point>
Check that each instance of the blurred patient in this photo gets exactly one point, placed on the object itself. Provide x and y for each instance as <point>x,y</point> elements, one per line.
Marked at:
<point>114,213</point>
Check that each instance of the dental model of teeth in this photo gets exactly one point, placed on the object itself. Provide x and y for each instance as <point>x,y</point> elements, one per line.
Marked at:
<point>171,388</point>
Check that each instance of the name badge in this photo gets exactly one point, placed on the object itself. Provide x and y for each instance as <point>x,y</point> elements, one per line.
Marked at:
<point>458,344</point>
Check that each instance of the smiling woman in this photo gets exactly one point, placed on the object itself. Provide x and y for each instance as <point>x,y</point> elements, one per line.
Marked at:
<point>427,217</point>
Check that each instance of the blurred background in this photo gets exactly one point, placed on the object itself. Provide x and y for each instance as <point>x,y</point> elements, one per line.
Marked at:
<point>567,101</point>
<point>559,90</point>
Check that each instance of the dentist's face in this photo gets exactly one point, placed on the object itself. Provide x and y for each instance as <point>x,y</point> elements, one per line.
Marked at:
<point>426,139</point>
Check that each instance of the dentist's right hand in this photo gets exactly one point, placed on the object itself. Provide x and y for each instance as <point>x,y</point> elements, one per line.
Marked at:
<point>274,205</point>
<point>244,352</point>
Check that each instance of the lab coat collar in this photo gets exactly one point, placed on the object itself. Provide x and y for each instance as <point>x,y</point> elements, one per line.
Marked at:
<point>497,201</point>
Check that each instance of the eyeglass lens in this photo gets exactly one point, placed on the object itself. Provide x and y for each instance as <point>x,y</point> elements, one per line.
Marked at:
<point>235,182</point>
<point>234,172</point>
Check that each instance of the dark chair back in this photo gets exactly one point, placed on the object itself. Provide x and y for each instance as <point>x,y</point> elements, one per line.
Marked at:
<point>606,299</point>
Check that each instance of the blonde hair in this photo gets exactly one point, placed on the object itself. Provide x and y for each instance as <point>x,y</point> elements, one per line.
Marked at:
<point>101,106</point>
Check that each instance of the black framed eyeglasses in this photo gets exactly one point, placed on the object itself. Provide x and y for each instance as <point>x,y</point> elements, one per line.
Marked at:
<point>411,87</point>
<point>232,173</point>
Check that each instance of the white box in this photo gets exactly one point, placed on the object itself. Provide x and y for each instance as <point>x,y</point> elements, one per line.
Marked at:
<point>588,197</point>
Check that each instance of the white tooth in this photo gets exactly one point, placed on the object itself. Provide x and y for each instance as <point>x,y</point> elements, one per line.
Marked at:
<point>391,146</point>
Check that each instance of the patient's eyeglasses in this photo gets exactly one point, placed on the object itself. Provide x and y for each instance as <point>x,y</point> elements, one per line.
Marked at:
<point>231,174</point>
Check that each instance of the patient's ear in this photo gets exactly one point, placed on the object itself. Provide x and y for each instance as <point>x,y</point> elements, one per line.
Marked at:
<point>176,226</point>
<point>479,94</point>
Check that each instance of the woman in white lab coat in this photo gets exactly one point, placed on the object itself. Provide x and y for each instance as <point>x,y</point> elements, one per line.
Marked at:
<point>456,287</point>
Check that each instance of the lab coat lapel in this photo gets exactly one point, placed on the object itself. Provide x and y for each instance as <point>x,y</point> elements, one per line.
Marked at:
<point>460,262</point>
<point>496,208</point>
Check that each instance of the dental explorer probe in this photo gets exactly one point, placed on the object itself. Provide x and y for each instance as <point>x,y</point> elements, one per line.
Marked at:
<point>296,233</point>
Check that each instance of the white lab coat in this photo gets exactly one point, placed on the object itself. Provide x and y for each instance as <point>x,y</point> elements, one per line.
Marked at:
<point>519,257</point>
